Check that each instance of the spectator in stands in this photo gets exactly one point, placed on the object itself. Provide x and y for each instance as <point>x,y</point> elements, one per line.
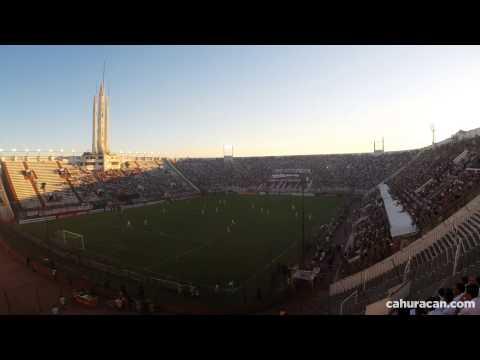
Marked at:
<point>119,303</point>
<point>449,298</point>
<point>459,291</point>
<point>446,296</point>
<point>150,306</point>
<point>471,294</point>
<point>62,301</point>
<point>472,279</point>
<point>441,293</point>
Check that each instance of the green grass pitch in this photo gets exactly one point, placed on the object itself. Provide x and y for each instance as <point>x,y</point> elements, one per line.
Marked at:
<point>195,240</point>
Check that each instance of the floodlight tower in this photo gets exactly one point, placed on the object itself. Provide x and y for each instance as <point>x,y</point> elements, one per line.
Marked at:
<point>303,183</point>
<point>432,129</point>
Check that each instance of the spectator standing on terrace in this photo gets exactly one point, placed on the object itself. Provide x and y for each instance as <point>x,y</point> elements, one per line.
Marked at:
<point>447,296</point>
<point>472,280</point>
<point>63,301</point>
<point>118,303</point>
<point>471,294</point>
<point>459,291</point>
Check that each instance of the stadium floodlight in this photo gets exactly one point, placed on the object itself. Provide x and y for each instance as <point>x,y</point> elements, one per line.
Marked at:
<point>38,150</point>
<point>50,150</point>
<point>14,150</point>
<point>27,150</point>
<point>1,150</point>
<point>61,150</point>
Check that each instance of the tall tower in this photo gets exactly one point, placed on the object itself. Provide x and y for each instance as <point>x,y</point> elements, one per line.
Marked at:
<point>101,109</point>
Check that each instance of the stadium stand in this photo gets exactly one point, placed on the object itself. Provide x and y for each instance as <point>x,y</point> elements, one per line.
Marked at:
<point>51,184</point>
<point>23,184</point>
<point>54,189</point>
<point>432,258</point>
<point>345,172</point>
<point>438,181</point>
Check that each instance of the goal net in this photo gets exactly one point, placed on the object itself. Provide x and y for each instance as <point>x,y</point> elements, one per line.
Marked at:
<point>70,240</point>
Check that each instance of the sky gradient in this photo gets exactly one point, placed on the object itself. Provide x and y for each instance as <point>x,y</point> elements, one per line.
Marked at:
<point>183,101</point>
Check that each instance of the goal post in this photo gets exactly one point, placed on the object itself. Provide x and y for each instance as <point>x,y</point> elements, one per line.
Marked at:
<point>72,240</point>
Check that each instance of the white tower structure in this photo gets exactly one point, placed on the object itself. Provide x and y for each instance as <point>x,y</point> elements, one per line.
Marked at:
<point>101,110</point>
<point>101,158</point>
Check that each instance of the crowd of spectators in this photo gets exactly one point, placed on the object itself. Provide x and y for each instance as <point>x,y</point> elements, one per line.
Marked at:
<point>136,181</point>
<point>447,300</point>
<point>370,238</point>
<point>430,187</point>
<point>358,171</point>
<point>438,181</point>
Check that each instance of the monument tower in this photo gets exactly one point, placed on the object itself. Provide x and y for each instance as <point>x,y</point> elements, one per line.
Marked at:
<point>101,109</point>
<point>101,158</point>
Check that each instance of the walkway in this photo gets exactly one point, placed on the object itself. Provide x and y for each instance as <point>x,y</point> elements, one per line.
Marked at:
<point>400,220</point>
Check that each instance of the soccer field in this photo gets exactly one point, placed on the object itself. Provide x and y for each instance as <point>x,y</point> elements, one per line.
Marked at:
<point>207,240</point>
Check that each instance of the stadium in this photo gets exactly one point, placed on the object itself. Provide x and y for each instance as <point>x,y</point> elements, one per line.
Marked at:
<point>302,234</point>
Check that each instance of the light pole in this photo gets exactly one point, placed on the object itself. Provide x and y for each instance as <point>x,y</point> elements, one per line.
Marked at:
<point>302,183</point>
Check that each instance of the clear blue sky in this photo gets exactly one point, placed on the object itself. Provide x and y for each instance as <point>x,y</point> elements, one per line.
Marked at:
<point>265,100</point>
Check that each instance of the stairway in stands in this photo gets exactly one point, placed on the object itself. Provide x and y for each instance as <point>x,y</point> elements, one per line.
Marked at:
<point>47,174</point>
<point>34,184</point>
<point>175,169</point>
<point>21,186</point>
<point>67,179</point>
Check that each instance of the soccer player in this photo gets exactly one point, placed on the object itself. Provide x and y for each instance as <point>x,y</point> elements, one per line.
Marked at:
<point>129,224</point>
<point>145,222</point>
